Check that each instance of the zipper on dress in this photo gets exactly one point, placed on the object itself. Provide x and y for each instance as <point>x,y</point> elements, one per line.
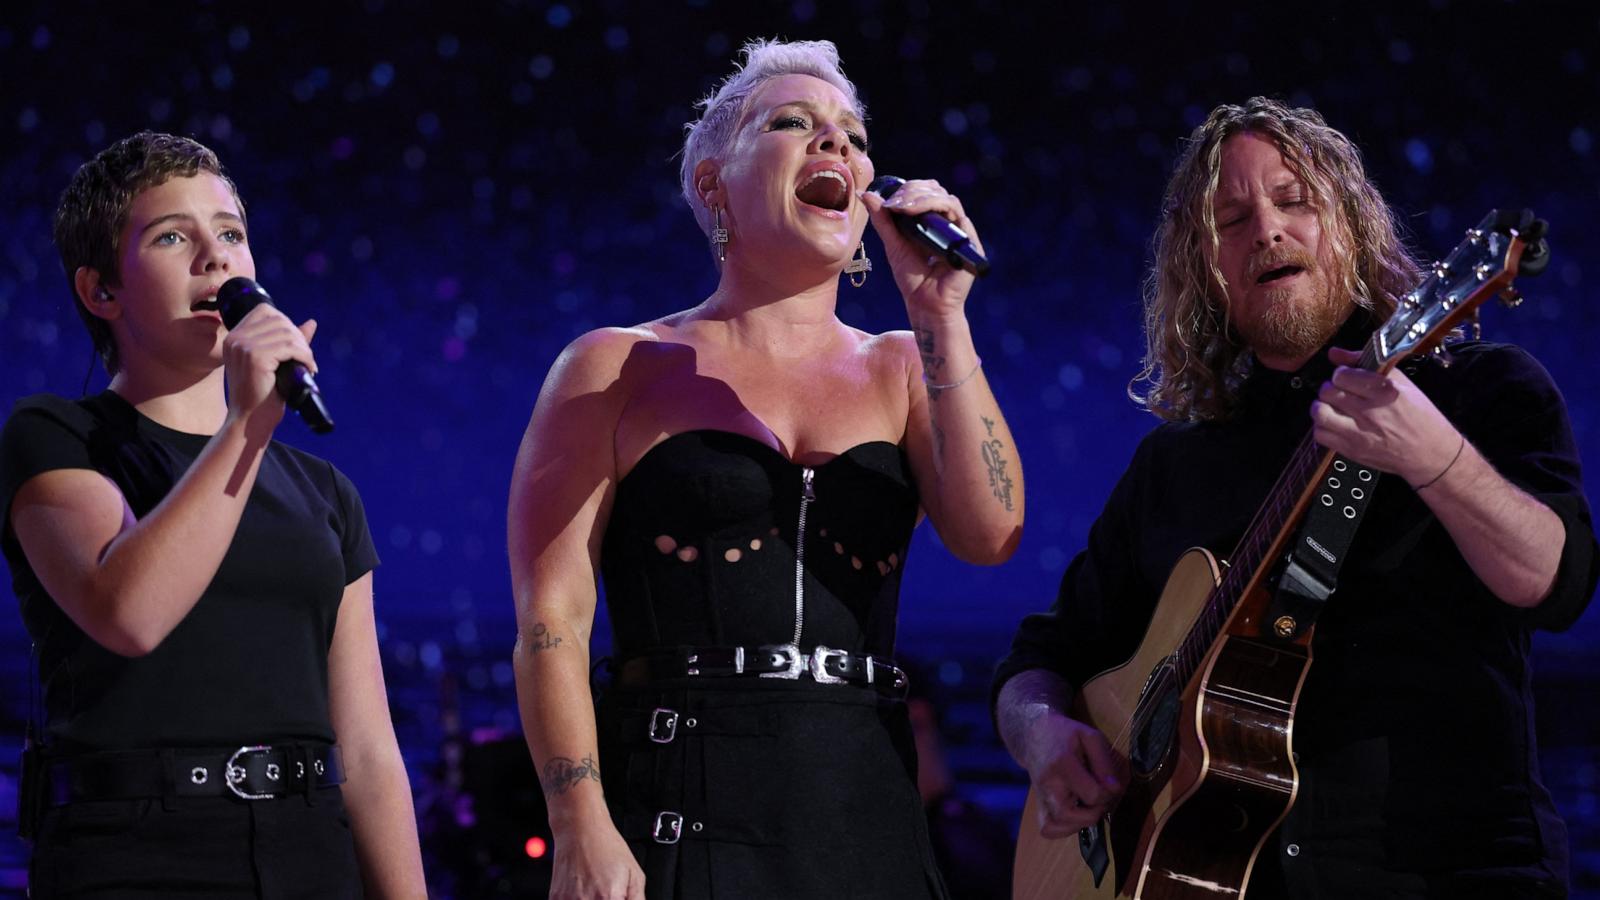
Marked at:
<point>808,495</point>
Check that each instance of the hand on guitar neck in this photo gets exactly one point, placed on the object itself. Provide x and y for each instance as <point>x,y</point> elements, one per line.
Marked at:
<point>1075,773</point>
<point>1510,540</point>
<point>1384,421</point>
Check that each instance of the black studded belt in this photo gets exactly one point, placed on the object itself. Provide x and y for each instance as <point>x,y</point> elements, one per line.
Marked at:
<point>823,665</point>
<point>249,772</point>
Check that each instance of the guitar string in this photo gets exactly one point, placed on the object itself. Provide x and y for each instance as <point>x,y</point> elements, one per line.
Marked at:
<point>1267,523</point>
<point>1265,526</point>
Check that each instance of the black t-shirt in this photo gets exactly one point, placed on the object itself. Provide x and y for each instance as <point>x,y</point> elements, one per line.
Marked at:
<point>249,663</point>
<point>1414,729</point>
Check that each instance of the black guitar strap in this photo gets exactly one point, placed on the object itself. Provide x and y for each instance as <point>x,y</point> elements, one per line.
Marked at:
<point>1311,568</point>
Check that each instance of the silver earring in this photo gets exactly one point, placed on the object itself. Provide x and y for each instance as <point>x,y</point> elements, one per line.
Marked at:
<point>719,235</point>
<point>860,265</point>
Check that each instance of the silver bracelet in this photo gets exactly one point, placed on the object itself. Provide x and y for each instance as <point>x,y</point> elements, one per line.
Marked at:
<point>953,384</point>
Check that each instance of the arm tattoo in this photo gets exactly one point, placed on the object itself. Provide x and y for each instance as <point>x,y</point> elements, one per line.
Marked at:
<point>999,482</point>
<point>562,774</point>
<point>988,425</point>
<point>541,639</point>
<point>932,362</point>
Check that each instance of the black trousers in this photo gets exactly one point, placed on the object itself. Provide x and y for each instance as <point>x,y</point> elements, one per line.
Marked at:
<point>214,847</point>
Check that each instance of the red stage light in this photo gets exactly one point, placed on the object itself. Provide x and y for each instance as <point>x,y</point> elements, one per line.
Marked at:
<point>536,847</point>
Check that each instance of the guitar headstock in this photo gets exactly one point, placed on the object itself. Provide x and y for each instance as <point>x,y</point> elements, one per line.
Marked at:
<point>1505,243</point>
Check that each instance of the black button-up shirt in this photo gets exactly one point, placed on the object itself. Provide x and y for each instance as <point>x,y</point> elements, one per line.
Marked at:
<point>1414,730</point>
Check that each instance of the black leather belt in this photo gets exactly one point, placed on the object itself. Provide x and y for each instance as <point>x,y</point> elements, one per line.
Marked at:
<point>247,772</point>
<point>823,665</point>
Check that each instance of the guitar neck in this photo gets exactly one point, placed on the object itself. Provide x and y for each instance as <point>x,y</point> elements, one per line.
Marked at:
<point>1265,539</point>
<point>1482,265</point>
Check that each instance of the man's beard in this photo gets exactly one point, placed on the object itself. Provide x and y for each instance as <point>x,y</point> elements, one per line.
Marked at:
<point>1290,327</point>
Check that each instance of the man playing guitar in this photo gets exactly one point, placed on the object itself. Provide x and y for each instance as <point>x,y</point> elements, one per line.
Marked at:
<point>1412,734</point>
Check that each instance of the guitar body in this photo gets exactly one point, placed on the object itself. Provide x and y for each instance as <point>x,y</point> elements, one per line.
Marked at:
<point>1206,843</point>
<point>1212,773</point>
<point>1204,711</point>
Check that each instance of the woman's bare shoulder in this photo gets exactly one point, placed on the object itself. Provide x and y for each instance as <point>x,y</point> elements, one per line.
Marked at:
<point>599,355</point>
<point>891,351</point>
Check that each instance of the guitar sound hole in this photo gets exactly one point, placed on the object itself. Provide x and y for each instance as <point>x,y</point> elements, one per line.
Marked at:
<point>1158,714</point>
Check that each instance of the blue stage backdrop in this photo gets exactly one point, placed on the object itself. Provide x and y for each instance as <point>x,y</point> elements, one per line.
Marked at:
<point>455,191</point>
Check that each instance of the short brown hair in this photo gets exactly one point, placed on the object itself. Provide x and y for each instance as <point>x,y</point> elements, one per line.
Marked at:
<point>94,208</point>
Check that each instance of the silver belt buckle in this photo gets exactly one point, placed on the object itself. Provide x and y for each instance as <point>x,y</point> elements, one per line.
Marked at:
<point>663,725</point>
<point>819,672</point>
<point>668,827</point>
<point>234,775</point>
<point>796,661</point>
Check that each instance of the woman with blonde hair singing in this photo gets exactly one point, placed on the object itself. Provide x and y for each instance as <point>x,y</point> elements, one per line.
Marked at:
<point>745,476</point>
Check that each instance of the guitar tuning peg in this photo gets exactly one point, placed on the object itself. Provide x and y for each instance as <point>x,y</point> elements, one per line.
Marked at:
<point>1443,356</point>
<point>1511,298</point>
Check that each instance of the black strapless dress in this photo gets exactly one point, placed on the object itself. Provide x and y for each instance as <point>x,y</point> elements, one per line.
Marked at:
<point>785,788</point>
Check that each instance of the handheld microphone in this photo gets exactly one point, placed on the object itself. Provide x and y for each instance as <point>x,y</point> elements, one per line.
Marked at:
<point>933,231</point>
<point>235,299</point>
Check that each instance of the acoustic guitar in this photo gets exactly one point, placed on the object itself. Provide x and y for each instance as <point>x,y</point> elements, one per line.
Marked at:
<point>1203,710</point>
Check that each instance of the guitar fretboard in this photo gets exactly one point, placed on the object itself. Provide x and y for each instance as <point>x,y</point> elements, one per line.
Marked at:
<point>1271,521</point>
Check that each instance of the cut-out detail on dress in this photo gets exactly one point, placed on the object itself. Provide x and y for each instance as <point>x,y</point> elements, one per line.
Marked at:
<point>883,567</point>
<point>666,544</point>
<point>894,560</point>
<point>838,548</point>
<point>732,554</point>
<point>755,543</point>
<point>759,740</point>
<point>688,554</point>
<point>855,562</point>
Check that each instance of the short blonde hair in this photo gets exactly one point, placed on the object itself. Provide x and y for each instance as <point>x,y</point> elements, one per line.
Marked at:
<point>711,135</point>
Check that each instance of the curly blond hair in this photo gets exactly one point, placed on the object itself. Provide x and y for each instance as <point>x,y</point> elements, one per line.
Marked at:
<point>1194,359</point>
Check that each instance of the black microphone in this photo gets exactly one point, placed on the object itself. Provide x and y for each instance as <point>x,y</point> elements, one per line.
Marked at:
<point>236,297</point>
<point>933,231</point>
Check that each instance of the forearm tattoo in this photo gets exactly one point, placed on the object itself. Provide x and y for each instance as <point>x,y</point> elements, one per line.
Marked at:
<point>932,362</point>
<point>562,774</point>
<point>540,639</point>
<point>994,460</point>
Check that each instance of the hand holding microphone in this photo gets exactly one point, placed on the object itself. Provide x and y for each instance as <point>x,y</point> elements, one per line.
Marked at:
<point>235,299</point>
<point>932,231</point>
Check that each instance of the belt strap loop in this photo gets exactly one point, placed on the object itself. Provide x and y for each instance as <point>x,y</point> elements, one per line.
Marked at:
<point>313,777</point>
<point>302,771</point>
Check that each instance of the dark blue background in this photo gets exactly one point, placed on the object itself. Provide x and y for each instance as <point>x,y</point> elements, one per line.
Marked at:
<point>457,192</point>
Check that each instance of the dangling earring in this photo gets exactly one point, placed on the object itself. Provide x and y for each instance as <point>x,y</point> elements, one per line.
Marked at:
<point>719,235</point>
<point>860,264</point>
